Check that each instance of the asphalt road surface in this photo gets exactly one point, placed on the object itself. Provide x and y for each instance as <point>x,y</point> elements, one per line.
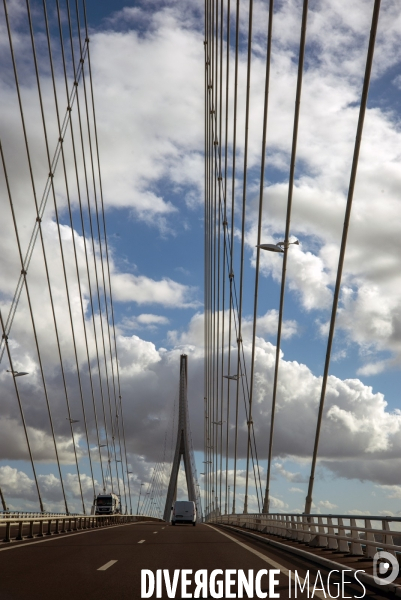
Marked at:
<point>106,564</point>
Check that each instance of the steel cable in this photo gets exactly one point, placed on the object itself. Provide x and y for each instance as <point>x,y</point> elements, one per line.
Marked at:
<point>107,254</point>
<point>347,217</point>
<point>75,249</point>
<point>93,254</point>
<point>286,244</point>
<point>260,213</point>
<point>24,273</point>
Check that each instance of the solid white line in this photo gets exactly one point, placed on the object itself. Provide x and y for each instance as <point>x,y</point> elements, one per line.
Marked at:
<point>107,565</point>
<point>141,541</point>
<point>56,537</point>
<point>270,561</point>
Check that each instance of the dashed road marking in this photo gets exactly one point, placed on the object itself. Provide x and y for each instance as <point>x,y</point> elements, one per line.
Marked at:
<point>107,565</point>
<point>141,541</point>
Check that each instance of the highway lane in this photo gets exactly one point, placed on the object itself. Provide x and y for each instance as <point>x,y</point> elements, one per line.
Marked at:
<point>106,563</point>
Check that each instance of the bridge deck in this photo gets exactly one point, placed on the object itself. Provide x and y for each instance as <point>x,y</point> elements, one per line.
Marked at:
<point>67,566</point>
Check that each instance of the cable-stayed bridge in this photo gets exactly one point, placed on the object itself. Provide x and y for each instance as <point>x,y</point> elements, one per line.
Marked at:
<point>61,354</point>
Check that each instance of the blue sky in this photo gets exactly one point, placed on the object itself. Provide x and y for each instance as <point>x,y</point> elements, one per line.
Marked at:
<point>148,67</point>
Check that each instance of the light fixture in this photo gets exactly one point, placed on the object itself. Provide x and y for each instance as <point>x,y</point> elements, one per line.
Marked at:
<point>18,373</point>
<point>279,247</point>
<point>233,377</point>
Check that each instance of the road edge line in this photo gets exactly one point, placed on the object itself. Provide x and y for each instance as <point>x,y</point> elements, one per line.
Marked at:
<point>326,562</point>
<point>272,562</point>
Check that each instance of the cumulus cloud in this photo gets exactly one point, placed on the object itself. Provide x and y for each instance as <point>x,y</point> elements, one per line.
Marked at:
<point>293,477</point>
<point>143,290</point>
<point>143,321</point>
<point>392,491</point>
<point>356,424</point>
<point>151,149</point>
<point>369,307</point>
<point>327,504</point>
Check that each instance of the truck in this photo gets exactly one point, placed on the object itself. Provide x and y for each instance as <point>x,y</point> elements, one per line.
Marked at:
<point>107,504</point>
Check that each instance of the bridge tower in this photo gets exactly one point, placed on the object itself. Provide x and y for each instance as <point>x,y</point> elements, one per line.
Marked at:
<point>182,447</point>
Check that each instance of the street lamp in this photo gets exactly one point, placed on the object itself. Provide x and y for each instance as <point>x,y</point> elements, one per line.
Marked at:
<point>72,420</point>
<point>18,373</point>
<point>232,377</point>
<point>140,492</point>
<point>279,247</point>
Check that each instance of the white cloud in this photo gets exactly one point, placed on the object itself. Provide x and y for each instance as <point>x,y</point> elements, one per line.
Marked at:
<point>357,512</point>
<point>327,504</point>
<point>144,290</point>
<point>151,152</point>
<point>293,477</point>
<point>143,321</point>
<point>392,491</point>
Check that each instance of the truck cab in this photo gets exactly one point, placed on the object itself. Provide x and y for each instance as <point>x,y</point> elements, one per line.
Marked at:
<point>107,504</point>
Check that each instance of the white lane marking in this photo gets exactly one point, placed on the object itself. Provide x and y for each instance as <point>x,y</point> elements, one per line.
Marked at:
<point>56,537</point>
<point>141,541</point>
<point>270,561</point>
<point>107,565</point>
<point>163,528</point>
<point>155,532</point>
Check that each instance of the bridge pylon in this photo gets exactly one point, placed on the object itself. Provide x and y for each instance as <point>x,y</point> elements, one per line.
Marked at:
<point>182,447</point>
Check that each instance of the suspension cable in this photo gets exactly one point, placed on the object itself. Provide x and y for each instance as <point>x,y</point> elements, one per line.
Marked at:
<point>107,257</point>
<point>286,243</point>
<point>93,250</point>
<point>262,180</point>
<point>354,168</point>
<point>23,272</point>
<point>75,248</point>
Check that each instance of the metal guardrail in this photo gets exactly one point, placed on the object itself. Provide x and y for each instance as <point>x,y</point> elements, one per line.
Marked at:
<point>57,524</point>
<point>343,533</point>
<point>15,514</point>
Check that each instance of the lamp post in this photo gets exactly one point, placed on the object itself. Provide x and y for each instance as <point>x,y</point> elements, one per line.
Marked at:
<point>139,499</point>
<point>128,474</point>
<point>101,465</point>
<point>279,247</point>
<point>17,373</point>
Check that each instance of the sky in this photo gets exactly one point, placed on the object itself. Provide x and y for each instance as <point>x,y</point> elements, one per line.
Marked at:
<point>148,72</point>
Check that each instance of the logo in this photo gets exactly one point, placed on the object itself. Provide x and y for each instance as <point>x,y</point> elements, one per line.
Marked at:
<point>385,568</point>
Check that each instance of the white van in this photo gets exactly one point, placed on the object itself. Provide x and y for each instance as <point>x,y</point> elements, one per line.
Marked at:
<point>184,511</point>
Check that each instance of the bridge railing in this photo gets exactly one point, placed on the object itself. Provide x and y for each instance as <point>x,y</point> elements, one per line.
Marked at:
<point>16,514</point>
<point>359,535</point>
<point>40,525</point>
